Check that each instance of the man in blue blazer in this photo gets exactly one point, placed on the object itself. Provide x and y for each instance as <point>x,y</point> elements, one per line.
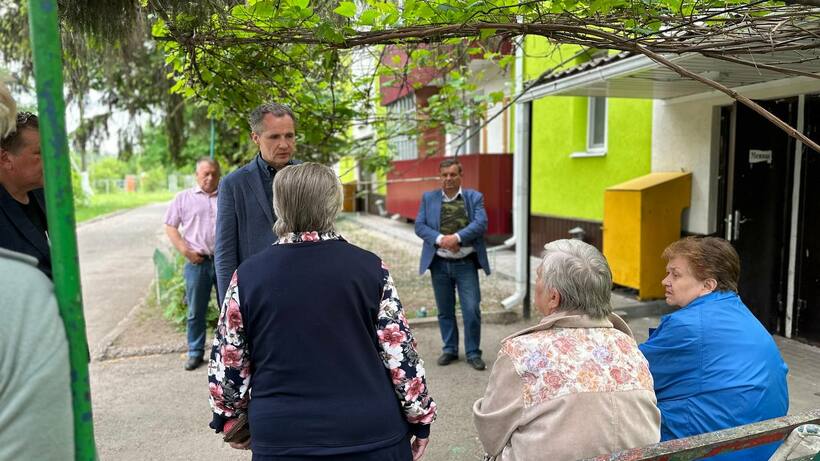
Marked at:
<point>244,217</point>
<point>23,225</point>
<point>452,222</point>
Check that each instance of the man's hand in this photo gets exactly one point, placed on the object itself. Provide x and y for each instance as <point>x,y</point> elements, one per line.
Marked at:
<point>417,447</point>
<point>176,239</point>
<point>193,256</point>
<point>450,242</point>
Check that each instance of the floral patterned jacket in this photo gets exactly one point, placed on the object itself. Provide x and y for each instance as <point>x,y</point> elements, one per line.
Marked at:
<point>229,370</point>
<point>570,387</point>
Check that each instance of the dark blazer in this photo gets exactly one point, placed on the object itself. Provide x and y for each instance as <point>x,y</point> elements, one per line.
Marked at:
<point>17,233</point>
<point>244,222</point>
<point>428,223</point>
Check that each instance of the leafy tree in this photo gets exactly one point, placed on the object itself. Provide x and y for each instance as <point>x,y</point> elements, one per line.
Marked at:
<point>231,55</point>
<point>111,65</point>
<point>722,29</point>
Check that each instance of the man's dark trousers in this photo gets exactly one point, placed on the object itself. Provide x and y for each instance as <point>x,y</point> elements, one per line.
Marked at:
<point>199,279</point>
<point>448,276</point>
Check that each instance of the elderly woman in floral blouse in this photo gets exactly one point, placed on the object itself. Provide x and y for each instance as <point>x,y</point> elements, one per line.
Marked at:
<point>575,385</point>
<point>313,344</point>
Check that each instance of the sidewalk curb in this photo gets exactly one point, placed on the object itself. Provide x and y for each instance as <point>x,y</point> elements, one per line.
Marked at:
<point>497,317</point>
<point>104,350</point>
<point>103,217</point>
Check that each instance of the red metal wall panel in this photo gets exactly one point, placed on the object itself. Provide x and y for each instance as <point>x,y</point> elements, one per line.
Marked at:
<point>490,174</point>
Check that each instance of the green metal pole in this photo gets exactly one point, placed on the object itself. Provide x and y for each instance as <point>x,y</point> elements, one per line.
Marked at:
<point>48,71</point>
<point>213,138</point>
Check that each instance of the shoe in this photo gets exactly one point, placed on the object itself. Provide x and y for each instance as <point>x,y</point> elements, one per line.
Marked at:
<point>193,363</point>
<point>446,359</point>
<point>476,363</point>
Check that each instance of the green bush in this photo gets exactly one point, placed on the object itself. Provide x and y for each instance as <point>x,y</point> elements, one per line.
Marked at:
<point>172,291</point>
<point>108,168</point>
<point>153,180</point>
<point>80,198</point>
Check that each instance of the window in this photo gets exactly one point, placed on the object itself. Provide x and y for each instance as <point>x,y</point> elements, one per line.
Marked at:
<point>402,116</point>
<point>473,144</point>
<point>596,124</point>
<point>596,128</point>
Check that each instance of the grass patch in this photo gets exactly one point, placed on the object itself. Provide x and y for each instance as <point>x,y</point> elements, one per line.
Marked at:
<point>101,204</point>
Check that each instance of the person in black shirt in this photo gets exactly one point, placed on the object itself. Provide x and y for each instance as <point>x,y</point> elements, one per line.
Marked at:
<point>23,225</point>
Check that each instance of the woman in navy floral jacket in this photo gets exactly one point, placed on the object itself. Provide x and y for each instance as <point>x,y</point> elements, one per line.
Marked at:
<point>313,328</point>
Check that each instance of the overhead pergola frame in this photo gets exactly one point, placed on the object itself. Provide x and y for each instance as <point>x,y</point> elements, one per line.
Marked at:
<point>735,32</point>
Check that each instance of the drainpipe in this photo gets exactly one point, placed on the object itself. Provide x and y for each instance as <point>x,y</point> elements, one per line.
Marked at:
<point>48,72</point>
<point>521,206</point>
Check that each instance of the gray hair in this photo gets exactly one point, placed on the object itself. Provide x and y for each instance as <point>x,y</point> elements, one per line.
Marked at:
<point>306,197</point>
<point>208,160</point>
<point>580,274</point>
<point>277,110</point>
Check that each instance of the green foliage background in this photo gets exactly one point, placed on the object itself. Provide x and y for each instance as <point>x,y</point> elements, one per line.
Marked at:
<point>172,292</point>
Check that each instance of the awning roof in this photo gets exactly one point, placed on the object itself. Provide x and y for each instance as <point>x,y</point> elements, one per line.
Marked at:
<point>636,76</point>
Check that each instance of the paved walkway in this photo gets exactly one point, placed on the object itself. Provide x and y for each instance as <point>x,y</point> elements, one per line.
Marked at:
<point>803,359</point>
<point>149,408</point>
<point>116,267</point>
<point>502,262</point>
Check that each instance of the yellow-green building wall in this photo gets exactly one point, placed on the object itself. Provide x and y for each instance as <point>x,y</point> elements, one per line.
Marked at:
<point>573,187</point>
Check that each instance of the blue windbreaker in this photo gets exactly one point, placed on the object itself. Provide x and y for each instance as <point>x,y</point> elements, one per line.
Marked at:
<point>715,367</point>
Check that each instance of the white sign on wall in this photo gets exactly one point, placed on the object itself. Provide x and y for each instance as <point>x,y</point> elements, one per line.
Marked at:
<point>760,156</point>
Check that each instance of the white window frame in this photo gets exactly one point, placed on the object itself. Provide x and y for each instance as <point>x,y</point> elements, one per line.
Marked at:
<point>595,150</point>
<point>404,147</point>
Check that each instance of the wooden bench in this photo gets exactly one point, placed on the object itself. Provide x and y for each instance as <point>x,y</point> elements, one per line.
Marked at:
<point>714,443</point>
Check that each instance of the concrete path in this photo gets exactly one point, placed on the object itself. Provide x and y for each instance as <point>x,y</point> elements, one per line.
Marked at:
<point>116,267</point>
<point>150,408</point>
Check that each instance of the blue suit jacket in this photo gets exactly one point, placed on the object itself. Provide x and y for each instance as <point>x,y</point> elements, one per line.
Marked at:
<point>428,223</point>
<point>17,233</point>
<point>244,222</point>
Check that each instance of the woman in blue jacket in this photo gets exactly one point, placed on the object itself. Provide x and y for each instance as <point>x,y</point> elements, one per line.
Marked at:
<point>714,365</point>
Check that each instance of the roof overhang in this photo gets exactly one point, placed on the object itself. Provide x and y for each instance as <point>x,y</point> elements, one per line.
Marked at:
<point>640,77</point>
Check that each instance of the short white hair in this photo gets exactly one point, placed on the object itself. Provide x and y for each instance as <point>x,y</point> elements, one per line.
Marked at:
<point>580,274</point>
<point>8,112</point>
<point>306,197</point>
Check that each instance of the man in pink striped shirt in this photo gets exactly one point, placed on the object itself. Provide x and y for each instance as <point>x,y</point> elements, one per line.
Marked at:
<point>194,210</point>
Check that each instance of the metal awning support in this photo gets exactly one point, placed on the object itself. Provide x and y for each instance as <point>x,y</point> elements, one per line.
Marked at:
<point>48,72</point>
<point>639,76</point>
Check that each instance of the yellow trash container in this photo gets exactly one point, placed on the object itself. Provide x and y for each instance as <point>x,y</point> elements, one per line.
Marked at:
<point>349,202</point>
<point>641,217</point>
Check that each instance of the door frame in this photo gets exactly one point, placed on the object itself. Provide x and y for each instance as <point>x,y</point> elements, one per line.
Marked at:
<point>725,226</point>
<point>791,242</point>
<point>791,276</point>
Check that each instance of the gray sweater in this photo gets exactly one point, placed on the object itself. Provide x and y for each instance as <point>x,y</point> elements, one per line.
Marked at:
<point>34,370</point>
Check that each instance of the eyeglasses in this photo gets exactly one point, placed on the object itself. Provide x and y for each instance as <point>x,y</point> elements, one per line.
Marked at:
<point>24,117</point>
<point>24,120</point>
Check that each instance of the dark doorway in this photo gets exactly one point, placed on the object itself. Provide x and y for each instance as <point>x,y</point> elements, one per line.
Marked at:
<point>758,207</point>
<point>807,301</point>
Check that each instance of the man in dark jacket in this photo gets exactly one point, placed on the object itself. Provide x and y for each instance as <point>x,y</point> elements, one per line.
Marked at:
<point>244,219</point>
<point>23,225</point>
